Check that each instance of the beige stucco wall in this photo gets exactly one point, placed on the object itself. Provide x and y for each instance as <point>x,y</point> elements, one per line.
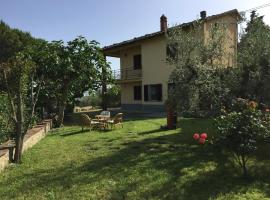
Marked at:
<point>231,35</point>
<point>126,56</point>
<point>155,70</point>
<point>127,96</point>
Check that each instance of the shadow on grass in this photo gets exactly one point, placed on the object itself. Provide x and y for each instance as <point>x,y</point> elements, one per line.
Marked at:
<point>153,131</point>
<point>164,167</point>
<point>75,132</point>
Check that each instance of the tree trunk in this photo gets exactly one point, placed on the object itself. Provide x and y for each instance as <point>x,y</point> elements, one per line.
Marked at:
<point>244,166</point>
<point>61,114</point>
<point>104,88</point>
<point>19,144</point>
<point>104,96</point>
<point>19,129</point>
<point>245,173</point>
<point>244,82</point>
<point>62,106</point>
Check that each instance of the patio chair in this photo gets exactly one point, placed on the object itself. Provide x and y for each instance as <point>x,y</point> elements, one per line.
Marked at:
<point>116,120</point>
<point>86,121</point>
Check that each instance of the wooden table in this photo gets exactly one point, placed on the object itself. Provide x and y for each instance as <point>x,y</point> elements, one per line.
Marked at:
<point>102,119</point>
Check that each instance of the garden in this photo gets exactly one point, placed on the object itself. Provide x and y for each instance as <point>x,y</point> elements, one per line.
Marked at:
<point>140,161</point>
<point>219,150</point>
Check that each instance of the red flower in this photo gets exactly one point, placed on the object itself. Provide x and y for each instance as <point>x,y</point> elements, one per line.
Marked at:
<point>267,110</point>
<point>201,141</point>
<point>196,136</point>
<point>203,135</point>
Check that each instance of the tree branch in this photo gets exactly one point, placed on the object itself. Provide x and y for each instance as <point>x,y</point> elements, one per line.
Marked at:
<point>34,100</point>
<point>13,111</point>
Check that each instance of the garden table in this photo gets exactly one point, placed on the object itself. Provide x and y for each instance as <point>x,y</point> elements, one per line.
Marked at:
<point>102,119</point>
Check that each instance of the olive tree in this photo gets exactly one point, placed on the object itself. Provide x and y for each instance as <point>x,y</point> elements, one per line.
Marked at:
<point>203,82</point>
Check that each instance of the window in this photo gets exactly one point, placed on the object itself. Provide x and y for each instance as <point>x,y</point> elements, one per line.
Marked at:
<point>153,92</point>
<point>137,61</point>
<point>171,50</point>
<point>137,92</point>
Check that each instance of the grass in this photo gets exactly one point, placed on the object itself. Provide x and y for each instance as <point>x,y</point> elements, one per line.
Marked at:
<point>139,161</point>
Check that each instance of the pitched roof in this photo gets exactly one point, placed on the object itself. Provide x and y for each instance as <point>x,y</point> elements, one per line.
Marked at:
<point>151,35</point>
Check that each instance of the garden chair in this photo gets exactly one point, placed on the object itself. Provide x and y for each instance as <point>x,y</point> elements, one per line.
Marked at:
<point>116,120</point>
<point>86,121</point>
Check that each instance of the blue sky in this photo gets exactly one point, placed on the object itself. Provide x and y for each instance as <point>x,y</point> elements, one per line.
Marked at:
<point>109,21</point>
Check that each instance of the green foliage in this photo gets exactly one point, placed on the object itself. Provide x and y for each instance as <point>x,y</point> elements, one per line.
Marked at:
<point>6,124</point>
<point>12,41</point>
<point>70,70</point>
<point>254,60</point>
<point>202,82</point>
<point>241,129</point>
<point>18,80</point>
<point>18,70</point>
<point>91,100</point>
<point>95,98</point>
<point>17,76</point>
<point>114,96</point>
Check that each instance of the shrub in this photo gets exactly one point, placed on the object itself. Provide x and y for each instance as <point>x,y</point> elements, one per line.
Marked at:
<point>92,100</point>
<point>241,129</point>
<point>5,122</point>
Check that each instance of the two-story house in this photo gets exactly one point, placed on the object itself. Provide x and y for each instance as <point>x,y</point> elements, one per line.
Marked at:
<point>144,71</point>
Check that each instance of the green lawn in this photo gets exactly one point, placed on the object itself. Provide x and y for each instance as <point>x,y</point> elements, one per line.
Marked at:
<point>137,162</point>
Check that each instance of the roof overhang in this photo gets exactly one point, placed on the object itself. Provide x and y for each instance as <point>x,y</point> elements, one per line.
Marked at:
<point>114,49</point>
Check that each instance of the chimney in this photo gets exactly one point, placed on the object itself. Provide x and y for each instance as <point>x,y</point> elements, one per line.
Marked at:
<point>203,14</point>
<point>163,23</point>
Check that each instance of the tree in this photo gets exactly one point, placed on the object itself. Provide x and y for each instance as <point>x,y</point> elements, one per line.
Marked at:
<point>202,82</point>
<point>70,70</point>
<point>241,128</point>
<point>12,41</point>
<point>254,60</point>
<point>17,75</point>
<point>18,83</point>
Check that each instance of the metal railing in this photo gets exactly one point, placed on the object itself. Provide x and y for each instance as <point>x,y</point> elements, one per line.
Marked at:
<point>127,74</point>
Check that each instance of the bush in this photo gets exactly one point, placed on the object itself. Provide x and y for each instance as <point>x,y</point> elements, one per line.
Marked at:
<point>113,97</point>
<point>92,100</point>
<point>6,125</point>
<point>240,130</point>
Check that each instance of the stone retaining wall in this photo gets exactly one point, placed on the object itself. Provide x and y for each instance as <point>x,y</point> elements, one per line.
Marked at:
<point>32,137</point>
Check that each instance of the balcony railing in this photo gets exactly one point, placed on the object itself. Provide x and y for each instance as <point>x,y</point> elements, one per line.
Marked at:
<point>127,74</point>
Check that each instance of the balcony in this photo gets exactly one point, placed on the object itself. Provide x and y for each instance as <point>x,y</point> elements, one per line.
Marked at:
<point>127,74</point>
